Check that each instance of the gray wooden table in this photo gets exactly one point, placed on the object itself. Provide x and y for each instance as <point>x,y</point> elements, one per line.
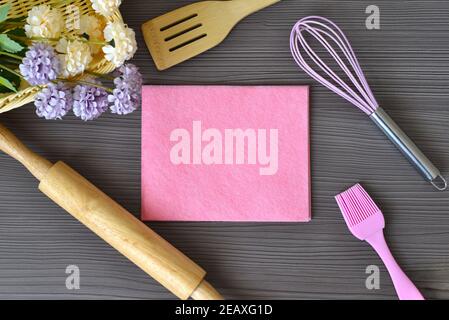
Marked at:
<point>407,62</point>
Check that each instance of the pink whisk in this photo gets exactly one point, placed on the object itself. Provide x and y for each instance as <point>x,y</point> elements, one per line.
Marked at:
<point>359,93</point>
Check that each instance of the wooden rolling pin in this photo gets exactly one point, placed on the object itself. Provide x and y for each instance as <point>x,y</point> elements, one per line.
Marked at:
<point>113,223</point>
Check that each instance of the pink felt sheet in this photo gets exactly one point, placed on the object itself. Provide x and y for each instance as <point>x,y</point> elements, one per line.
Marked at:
<point>208,189</point>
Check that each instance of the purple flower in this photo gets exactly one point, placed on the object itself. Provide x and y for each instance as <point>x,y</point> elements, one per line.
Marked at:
<point>40,65</point>
<point>126,96</point>
<point>89,101</point>
<point>53,102</point>
<point>130,73</point>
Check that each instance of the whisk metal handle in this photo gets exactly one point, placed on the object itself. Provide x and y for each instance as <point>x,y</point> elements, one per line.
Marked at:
<point>408,148</point>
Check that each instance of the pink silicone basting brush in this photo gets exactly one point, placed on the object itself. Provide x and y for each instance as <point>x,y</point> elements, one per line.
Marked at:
<point>366,222</point>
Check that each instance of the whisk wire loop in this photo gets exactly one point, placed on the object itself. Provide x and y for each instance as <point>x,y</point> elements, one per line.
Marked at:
<point>326,68</point>
<point>318,35</point>
<point>327,33</point>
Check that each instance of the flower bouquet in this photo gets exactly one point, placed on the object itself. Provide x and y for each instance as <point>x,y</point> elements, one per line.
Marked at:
<point>63,54</point>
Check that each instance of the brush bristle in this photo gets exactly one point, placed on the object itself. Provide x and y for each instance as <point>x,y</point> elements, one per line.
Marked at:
<point>356,205</point>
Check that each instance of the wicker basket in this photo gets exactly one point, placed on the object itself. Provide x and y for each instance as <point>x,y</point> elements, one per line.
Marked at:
<point>20,8</point>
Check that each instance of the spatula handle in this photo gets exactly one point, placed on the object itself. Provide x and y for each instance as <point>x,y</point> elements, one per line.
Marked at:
<point>247,7</point>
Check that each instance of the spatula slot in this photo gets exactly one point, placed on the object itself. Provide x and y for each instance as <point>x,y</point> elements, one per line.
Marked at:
<point>179,46</point>
<point>171,25</point>
<point>180,33</point>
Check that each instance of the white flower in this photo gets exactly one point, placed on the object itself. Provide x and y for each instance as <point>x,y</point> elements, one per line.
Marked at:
<point>75,56</point>
<point>44,22</point>
<point>124,45</point>
<point>105,7</point>
<point>92,26</point>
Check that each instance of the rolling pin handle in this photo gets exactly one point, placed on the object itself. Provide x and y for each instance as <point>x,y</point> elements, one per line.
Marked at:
<point>206,292</point>
<point>11,145</point>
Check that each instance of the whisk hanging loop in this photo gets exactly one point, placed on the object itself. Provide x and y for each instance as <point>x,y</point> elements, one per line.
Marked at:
<point>443,186</point>
<point>357,91</point>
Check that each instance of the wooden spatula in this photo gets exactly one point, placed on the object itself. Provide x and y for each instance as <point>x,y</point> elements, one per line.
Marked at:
<point>188,31</point>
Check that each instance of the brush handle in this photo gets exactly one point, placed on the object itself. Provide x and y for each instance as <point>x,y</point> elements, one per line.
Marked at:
<point>405,288</point>
<point>113,223</point>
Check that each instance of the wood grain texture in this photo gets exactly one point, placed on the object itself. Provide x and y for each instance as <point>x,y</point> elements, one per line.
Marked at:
<point>407,64</point>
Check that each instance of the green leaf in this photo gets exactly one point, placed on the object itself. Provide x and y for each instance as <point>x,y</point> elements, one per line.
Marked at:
<point>18,32</point>
<point>9,45</point>
<point>6,83</point>
<point>4,9</point>
<point>17,19</point>
<point>11,77</point>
